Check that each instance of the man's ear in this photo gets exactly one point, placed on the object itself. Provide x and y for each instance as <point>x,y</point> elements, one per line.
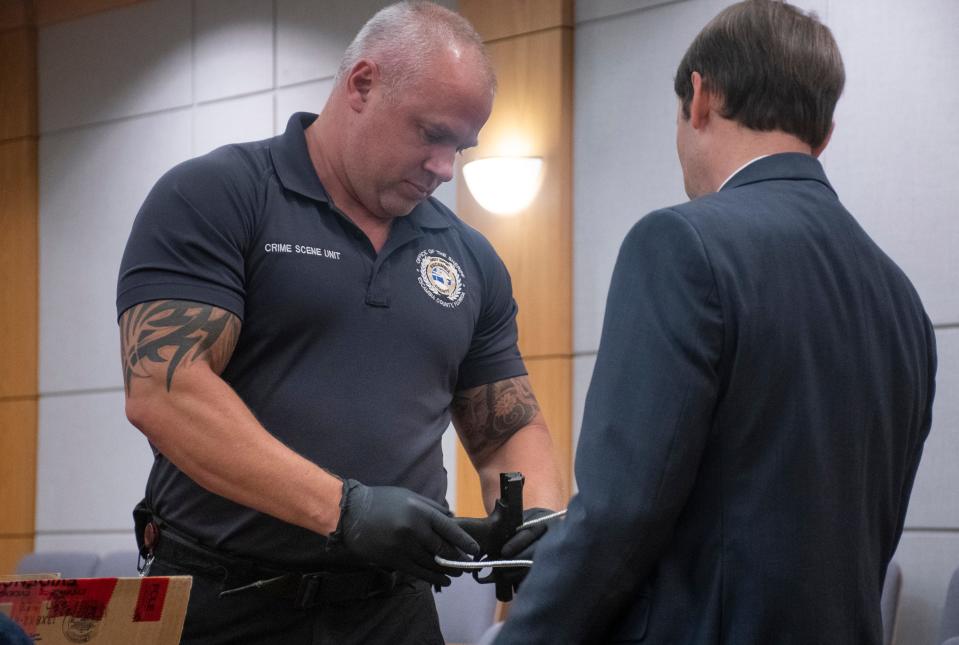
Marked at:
<point>825,142</point>
<point>359,83</point>
<point>700,104</point>
<point>705,103</point>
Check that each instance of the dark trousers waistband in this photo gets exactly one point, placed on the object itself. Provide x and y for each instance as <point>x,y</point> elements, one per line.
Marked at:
<point>240,575</point>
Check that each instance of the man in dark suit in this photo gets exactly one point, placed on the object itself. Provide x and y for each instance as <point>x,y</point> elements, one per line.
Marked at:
<point>763,386</point>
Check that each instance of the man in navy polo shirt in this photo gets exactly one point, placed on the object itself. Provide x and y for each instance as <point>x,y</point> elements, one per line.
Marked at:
<point>300,321</point>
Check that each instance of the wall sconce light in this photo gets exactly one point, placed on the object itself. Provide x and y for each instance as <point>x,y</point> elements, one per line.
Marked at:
<point>504,185</point>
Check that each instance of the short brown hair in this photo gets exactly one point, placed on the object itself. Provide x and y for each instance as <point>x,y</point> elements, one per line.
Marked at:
<point>775,68</point>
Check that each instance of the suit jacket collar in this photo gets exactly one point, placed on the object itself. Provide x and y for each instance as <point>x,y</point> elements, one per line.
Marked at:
<point>786,165</point>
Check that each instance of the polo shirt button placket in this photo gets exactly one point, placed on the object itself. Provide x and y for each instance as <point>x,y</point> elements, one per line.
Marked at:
<point>378,292</point>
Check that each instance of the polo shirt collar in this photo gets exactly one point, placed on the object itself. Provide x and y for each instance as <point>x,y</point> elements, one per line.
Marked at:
<point>428,215</point>
<point>294,168</point>
<point>786,165</point>
<point>291,158</point>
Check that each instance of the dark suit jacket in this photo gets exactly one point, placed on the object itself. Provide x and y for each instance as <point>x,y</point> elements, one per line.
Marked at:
<point>751,434</point>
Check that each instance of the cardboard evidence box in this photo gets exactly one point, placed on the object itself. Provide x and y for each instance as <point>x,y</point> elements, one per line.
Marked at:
<point>101,611</point>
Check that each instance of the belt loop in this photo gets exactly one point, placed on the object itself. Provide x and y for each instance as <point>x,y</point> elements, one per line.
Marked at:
<point>308,590</point>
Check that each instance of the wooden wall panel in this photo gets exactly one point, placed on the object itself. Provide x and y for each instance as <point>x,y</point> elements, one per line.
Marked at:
<point>530,43</point>
<point>529,119</point>
<point>50,11</point>
<point>16,13</point>
<point>552,380</point>
<point>19,268</point>
<point>11,550</point>
<point>18,79</point>
<point>18,447</point>
<point>469,498</point>
<point>497,19</point>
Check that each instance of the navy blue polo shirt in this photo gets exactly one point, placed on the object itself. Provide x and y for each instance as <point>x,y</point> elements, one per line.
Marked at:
<point>348,356</point>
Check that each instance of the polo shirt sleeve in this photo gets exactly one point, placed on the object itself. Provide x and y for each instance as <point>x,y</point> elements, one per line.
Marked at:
<point>189,238</point>
<point>493,354</point>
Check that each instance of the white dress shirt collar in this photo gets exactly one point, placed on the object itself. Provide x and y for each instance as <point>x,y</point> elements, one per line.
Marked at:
<point>735,172</point>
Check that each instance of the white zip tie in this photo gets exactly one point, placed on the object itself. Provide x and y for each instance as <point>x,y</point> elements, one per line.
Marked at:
<point>540,520</point>
<point>481,564</point>
<point>498,564</point>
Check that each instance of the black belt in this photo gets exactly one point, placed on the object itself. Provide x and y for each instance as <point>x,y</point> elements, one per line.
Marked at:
<point>302,589</point>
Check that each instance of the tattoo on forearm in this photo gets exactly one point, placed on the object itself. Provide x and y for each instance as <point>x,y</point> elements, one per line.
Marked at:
<point>490,414</point>
<point>182,329</point>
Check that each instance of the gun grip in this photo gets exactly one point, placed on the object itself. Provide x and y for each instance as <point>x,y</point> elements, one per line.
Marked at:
<point>511,501</point>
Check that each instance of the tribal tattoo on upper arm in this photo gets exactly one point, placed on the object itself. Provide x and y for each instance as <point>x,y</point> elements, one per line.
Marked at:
<point>488,415</point>
<point>182,330</point>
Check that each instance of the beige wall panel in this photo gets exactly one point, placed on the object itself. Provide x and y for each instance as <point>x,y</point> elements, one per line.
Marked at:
<point>18,464</point>
<point>50,11</point>
<point>18,83</point>
<point>551,379</point>
<point>18,266</point>
<point>528,119</point>
<point>11,550</point>
<point>495,19</point>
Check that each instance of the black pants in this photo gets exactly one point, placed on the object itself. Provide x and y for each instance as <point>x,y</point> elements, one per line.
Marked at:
<point>406,615</point>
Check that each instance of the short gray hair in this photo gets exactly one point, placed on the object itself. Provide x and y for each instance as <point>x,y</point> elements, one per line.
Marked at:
<point>403,37</point>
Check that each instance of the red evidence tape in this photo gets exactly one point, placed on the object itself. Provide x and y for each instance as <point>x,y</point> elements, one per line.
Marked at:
<point>81,598</point>
<point>150,601</point>
<point>85,598</point>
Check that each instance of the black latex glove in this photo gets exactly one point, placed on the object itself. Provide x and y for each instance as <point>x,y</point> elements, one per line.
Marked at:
<point>522,545</point>
<point>398,529</point>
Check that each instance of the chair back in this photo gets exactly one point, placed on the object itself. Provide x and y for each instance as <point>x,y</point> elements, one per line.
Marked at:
<point>117,564</point>
<point>949,626</point>
<point>69,564</point>
<point>889,601</point>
